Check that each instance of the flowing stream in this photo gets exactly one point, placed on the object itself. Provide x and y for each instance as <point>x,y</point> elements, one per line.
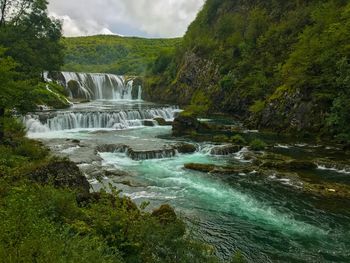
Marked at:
<point>266,218</point>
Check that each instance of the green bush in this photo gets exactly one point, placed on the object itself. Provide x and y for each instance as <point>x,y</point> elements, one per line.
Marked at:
<point>238,139</point>
<point>257,145</point>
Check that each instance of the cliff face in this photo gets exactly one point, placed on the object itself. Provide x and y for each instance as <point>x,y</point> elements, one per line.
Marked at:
<point>282,64</point>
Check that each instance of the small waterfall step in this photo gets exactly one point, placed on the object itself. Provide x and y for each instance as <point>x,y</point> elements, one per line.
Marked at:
<point>136,154</point>
<point>119,120</point>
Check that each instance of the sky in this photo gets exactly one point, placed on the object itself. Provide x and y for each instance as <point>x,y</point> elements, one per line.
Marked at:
<point>144,18</point>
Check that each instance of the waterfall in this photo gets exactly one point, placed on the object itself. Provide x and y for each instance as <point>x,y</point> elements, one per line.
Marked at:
<point>96,86</point>
<point>139,94</point>
<point>119,120</point>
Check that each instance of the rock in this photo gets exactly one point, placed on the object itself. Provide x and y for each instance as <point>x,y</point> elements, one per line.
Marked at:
<point>161,121</point>
<point>210,168</point>
<point>75,141</point>
<point>185,147</point>
<point>183,125</point>
<point>225,149</point>
<point>289,165</point>
<point>149,123</point>
<point>111,148</point>
<point>151,154</point>
<point>61,173</point>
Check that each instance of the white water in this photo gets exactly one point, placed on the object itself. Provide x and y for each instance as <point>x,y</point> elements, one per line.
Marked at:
<point>119,120</point>
<point>98,86</point>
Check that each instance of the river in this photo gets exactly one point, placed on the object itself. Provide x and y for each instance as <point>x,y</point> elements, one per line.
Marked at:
<point>267,218</point>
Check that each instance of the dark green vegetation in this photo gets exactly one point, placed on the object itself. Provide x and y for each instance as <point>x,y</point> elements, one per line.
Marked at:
<point>115,54</point>
<point>284,65</point>
<point>61,221</point>
<point>29,44</point>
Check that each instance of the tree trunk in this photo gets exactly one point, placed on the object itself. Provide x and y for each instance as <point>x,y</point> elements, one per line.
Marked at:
<point>2,113</point>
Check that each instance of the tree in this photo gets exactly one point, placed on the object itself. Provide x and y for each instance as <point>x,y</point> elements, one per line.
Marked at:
<point>32,38</point>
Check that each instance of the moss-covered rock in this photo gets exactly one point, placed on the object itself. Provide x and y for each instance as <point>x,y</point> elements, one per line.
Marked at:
<point>185,147</point>
<point>60,173</point>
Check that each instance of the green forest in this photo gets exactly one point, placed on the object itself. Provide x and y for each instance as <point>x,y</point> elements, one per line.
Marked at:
<point>114,54</point>
<point>279,65</point>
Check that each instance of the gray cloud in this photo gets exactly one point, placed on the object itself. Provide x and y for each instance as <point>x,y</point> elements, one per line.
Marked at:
<point>148,18</point>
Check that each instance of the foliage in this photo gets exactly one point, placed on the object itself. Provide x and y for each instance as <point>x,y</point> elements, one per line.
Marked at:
<point>41,222</point>
<point>238,139</point>
<point>257,145</point>
<point>115,54</point>
<point>200,104</point>
<point>264,49</point>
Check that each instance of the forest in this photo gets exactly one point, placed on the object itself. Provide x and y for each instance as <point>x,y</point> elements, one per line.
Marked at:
<point>114,54</point>
<point>280,65</point>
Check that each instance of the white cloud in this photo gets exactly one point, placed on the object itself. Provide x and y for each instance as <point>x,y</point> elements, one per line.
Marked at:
<point>150,18</point>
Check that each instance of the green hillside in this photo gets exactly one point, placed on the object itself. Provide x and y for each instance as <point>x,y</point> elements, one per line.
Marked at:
<point>113,54</point>
<point>284,65</point>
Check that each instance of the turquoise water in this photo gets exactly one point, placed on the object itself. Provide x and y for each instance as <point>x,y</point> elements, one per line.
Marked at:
<point>264,219</point>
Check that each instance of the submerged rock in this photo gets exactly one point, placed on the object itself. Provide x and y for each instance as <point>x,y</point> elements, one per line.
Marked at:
<point>226,149</point>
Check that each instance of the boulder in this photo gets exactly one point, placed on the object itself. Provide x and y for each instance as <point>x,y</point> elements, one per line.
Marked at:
<point>161,121</point>
<point>187,125</point>
<point>149,123</point>
<point>185,147</point>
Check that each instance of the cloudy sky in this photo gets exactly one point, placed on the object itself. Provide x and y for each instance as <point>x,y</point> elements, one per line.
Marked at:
<point>145,18</point>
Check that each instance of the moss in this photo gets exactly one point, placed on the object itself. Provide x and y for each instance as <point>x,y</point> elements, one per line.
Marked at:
<point>221,138</point>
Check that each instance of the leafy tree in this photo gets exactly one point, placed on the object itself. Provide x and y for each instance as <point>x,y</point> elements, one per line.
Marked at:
<point>32,38</point>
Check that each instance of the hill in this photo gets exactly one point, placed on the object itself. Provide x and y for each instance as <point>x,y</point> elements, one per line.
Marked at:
<point>282,65</point>
<point>113,54</point>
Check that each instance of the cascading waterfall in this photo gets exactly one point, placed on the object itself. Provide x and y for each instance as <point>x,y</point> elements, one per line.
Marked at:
<point>123,119</point>
<point>97,86</point>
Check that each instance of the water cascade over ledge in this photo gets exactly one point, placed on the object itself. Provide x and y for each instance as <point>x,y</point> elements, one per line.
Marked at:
<point>119,120</point>
<point>97,86</point>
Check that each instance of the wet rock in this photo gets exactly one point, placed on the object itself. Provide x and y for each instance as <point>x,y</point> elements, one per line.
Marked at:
<point>61,173</point>
<point>150,154</point>
<point>149,123</point>
<point>210,168</point>
<point>111,148</point>
<point>225,149</point>
<point>75,141</point>
<point>185,147</point>
<point>161,121</point>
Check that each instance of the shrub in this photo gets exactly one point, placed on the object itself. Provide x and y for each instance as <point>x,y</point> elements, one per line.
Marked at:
<point>238,139</point>
<point>257,145</point>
